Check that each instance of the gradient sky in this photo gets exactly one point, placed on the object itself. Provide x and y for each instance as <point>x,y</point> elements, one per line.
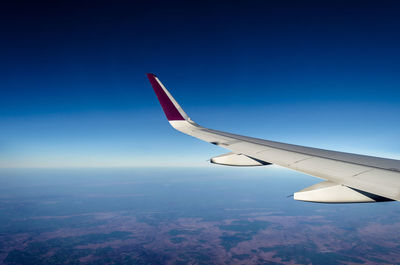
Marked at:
<point>74,91</point>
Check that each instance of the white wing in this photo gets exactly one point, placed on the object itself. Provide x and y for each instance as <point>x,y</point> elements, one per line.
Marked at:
<point>349,177</point>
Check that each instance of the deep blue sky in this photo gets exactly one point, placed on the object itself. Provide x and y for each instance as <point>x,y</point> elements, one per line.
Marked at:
<point>74,90</point>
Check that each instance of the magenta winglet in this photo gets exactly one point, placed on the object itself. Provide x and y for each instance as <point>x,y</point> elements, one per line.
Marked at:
<point>168,106</point>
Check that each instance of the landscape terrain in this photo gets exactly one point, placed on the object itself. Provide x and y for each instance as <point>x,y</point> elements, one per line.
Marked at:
<point>185,216</point>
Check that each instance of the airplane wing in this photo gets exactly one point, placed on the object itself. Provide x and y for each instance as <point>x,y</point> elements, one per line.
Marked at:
<point>348,177</point>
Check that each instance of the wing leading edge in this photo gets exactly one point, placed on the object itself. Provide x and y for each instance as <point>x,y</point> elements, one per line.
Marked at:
<point>379,177</point>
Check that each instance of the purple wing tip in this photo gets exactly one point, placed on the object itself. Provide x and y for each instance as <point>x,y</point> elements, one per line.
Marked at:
<point>168,106</point>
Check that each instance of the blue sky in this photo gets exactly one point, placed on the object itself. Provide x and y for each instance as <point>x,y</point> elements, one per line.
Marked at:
<point>75,94</point>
